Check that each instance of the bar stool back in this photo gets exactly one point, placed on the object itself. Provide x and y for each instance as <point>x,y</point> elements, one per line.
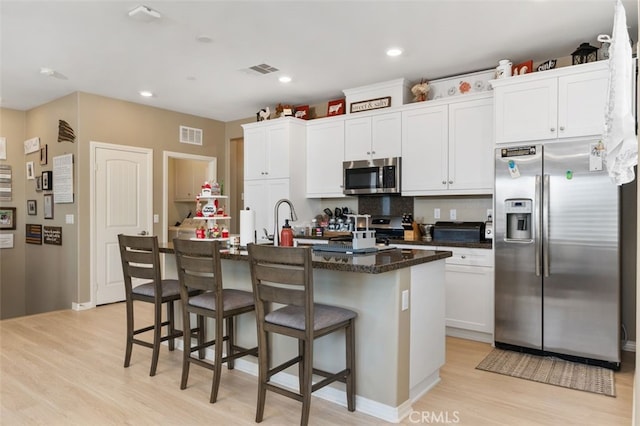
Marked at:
<point>284,275</point>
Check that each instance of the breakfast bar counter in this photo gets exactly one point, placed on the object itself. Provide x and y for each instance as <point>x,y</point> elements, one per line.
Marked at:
<point>399,296</point>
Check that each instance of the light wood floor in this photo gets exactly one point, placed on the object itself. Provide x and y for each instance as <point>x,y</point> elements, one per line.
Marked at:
<point>65,368</point>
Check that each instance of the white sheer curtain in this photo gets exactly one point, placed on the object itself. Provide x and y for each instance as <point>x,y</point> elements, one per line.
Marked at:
<point>619,133</point>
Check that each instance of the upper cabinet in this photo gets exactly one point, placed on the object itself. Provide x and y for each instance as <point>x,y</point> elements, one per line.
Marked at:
<point>266,149</point>
<point>563,103</point>
<point>374,136</point>
<point>325,148</point>
<point>189,177</point>
<point>448,148</point>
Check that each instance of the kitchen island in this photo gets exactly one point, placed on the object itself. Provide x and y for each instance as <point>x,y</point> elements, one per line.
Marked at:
<point>399,296</point>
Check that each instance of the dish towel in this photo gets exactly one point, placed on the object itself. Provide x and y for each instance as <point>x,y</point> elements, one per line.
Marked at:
<point>619,137</point>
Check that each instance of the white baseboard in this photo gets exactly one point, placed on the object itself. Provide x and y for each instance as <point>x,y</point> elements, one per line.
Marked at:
<point>469,334</point>
<point>82,306</point>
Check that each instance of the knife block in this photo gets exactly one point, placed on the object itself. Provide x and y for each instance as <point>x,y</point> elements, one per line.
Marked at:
<point>412,234</point>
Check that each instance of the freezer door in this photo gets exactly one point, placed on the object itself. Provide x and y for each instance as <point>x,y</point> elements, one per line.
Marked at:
<point>581,254</point>
<point>518,281</point>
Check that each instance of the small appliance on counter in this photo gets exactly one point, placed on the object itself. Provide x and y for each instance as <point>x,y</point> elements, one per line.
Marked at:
<point>361,241</point>
<point>463,232</point>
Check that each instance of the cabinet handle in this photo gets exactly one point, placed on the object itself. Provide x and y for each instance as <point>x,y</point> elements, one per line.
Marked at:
<point>450,182</point>
<point>562,128</point>
<point>444,182</point>
<point>463,257</point>
<point>368,152</point>
<point>373,152</point>
<point>553,129</point>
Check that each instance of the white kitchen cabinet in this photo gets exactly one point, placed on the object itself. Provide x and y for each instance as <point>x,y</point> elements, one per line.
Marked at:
<point>563,103</point>
<point>325,154</point>
<point>261,197</point>
<point>266,150</point>
<point>447,149</point>
<point>469,300</point>
<point>374,136</point>
<point>189,177</point>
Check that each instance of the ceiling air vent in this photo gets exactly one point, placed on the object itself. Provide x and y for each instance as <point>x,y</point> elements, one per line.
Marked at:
<point>263,69</point>
<point>190,135</point>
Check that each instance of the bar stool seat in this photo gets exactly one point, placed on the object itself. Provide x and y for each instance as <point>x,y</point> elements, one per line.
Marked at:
<point>231,299</point>
<point>284,275</point>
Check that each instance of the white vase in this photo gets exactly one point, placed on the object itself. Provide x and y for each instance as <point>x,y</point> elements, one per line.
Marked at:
<point>503,70</point>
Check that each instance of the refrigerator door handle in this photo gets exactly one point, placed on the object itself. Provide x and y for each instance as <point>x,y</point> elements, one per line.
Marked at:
<point>545,223</point>
<point>538,228</point>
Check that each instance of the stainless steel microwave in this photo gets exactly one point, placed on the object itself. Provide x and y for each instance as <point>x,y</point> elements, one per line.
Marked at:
<point>379,176</point>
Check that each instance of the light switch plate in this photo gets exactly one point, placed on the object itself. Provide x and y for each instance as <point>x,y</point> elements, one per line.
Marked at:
<point>453,214</point>
<point>69,219</point>
<point>405,300</point>
<point>436,213</point>
<point>156,218</point>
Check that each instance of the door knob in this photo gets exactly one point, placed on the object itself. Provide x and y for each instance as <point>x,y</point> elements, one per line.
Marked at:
<point>142,233</point>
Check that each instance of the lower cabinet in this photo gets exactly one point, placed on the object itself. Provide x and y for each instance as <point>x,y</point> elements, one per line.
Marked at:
<point>469,295</point>
<point>469,309</point>
<point>261,197</point>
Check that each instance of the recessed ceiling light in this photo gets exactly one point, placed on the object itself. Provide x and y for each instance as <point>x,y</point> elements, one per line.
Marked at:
<point>285,79</point>
<point>49,72</point>
<point>146,93</point>
<point>394,52</point>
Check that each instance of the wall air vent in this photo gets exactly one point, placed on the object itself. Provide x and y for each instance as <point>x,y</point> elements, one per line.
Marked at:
<point>263,69</point>
<point>190,135</point>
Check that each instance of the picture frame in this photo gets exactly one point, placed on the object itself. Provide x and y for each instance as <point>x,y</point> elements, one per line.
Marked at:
<point>522,68</point>
<point>335,107</point>
<point>47,181</point>
<point>31,171</point>
<point>38,183</point>
<point>7,218</point>
<point>371,104</point>
<point>48,206</point>
<point>302,112</point>
<point>32,207</point>
<point>44,151</point>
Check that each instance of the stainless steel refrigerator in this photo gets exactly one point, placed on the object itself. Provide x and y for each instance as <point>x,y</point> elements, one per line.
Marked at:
<point>556,237</point>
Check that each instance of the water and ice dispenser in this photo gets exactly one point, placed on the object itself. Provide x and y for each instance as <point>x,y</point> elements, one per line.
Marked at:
<point>519,215</point>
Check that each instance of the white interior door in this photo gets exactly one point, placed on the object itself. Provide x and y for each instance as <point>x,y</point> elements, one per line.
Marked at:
<point>122,203</point>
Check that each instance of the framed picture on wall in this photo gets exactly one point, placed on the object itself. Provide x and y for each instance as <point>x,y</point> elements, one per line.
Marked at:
<point>38,183</point>
<point>32,207</point>
<point>43,155</point>
<point>31,171</point>
<point>48,206</point>
<point>7,218</point>
<point>47,181</point>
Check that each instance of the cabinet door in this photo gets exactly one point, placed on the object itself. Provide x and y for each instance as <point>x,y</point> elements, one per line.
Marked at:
<point>261,197</point>
<point>424,150</point>
<point>189,177</point>
<point>471,146</point>
<point>469,297</point>
<point>581,101</point>
<point>325,150</point>
<point>255,151</point>
<point>526,111</point>
<point>277,151</point>
<point>357,141</point>
<point>386,135</point>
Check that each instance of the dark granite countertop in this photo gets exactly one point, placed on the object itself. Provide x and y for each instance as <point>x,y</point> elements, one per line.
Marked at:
<point>482,245</point>
<point>370,263</point>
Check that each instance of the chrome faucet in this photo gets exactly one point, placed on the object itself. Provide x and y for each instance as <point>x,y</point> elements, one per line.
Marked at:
<point>294,217</point>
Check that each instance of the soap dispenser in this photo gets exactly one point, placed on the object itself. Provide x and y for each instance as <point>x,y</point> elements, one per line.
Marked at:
<point>286,235</point>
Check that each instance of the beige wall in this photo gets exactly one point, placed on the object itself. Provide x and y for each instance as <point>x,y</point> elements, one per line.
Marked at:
<point>12,261</point>
<point>62,275</point>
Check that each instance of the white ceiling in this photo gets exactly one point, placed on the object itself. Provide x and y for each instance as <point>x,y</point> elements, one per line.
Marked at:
<point>325,46</point>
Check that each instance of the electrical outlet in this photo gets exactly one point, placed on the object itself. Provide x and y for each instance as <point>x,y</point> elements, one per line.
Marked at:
<point>156,218</point>
<point>452,214</point>
<point>405,300</point>
<point>436,213</point>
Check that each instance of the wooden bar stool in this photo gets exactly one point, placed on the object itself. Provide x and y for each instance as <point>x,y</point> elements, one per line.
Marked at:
<point>284,275</point>
<point>140,258</point>
<point>199,269</point>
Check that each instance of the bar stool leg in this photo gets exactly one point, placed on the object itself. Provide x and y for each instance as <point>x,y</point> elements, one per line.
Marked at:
<point>350,362</point>
<point>186,349</point>
<point>263,369</point>
<point>156,338</point>
<point>201,334</point>
<point>307,360</point>
<point>127,355</point>
<point>172,328</point>
<point>217,367</point>
<point>230,342</point>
